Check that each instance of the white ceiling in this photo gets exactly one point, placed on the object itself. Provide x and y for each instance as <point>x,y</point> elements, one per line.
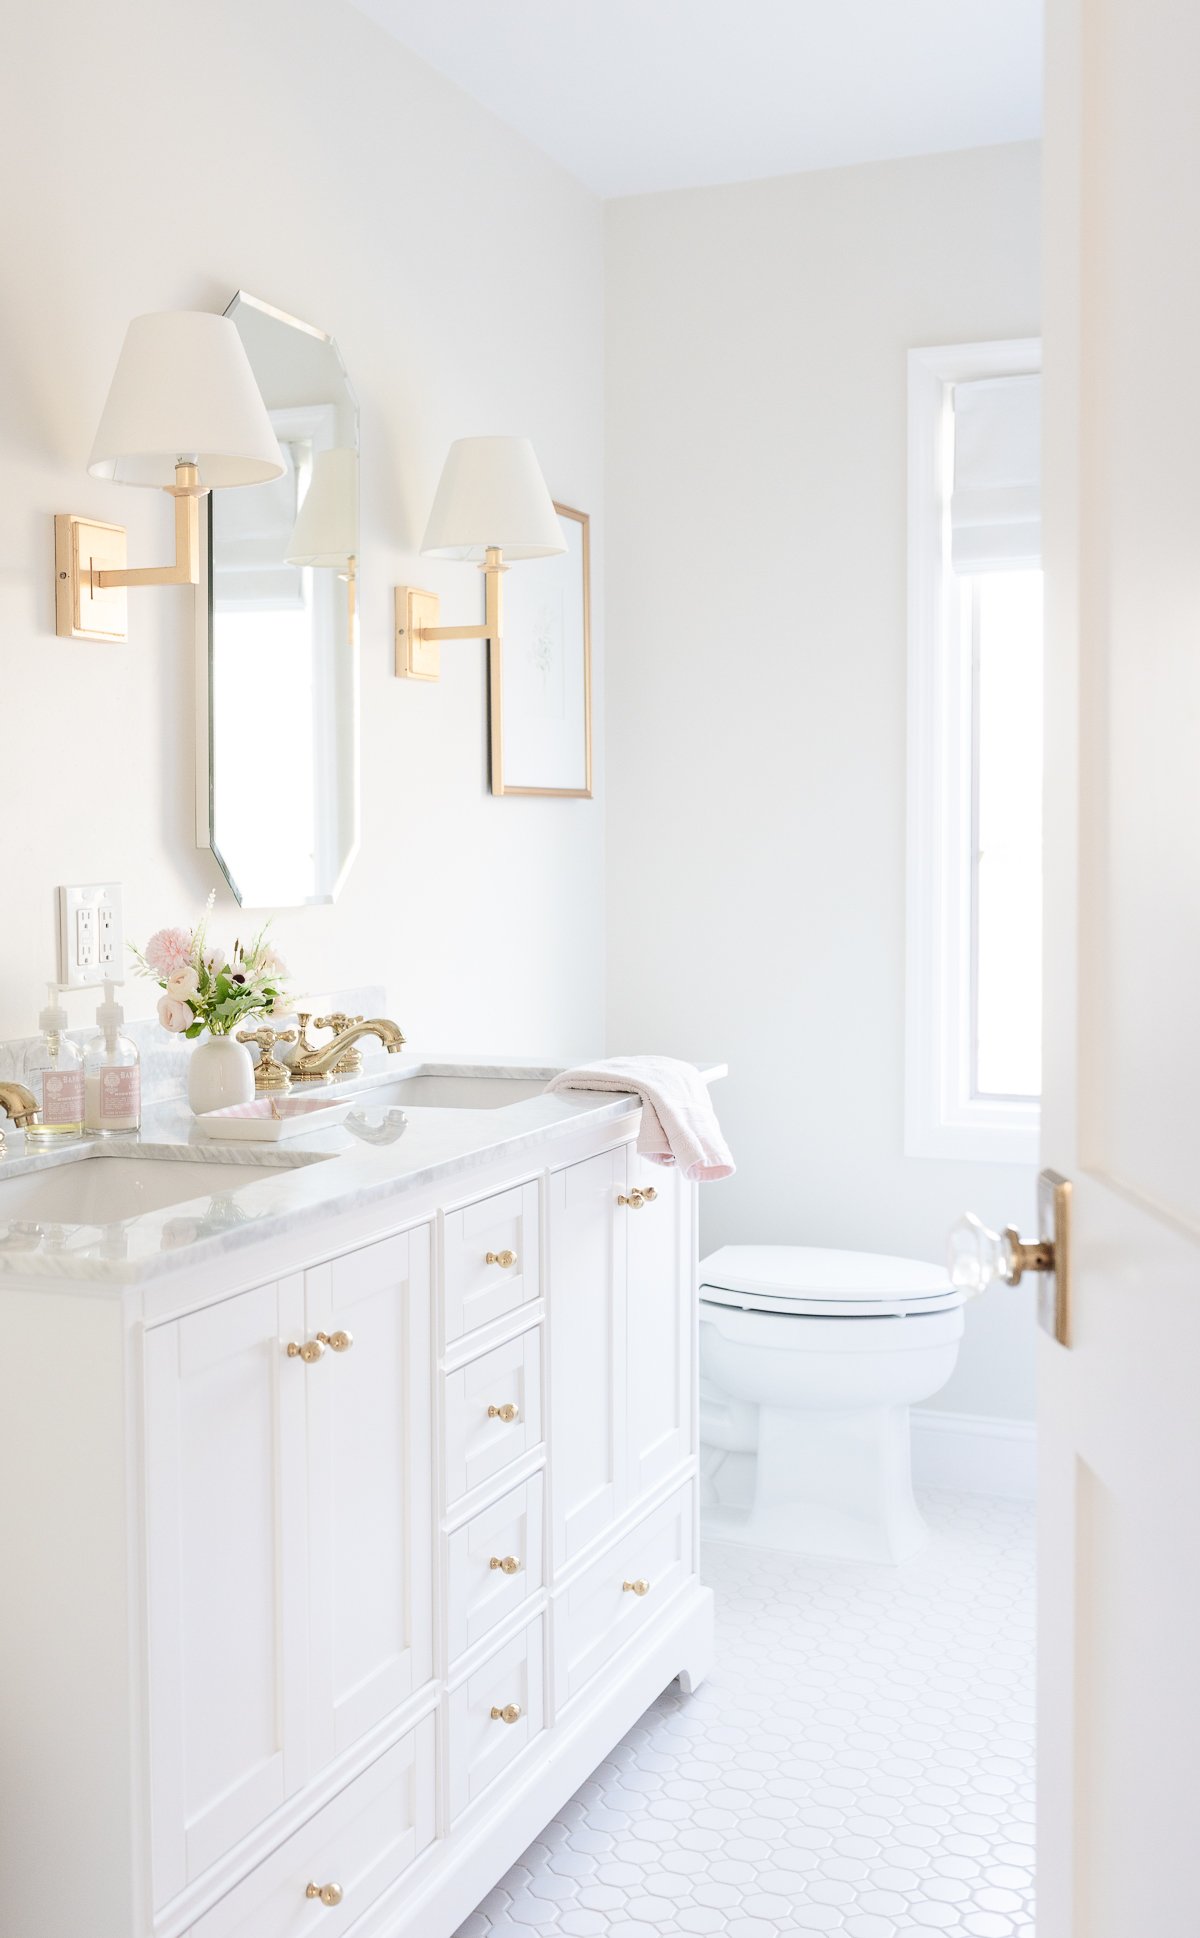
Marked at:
<point>637,95</point>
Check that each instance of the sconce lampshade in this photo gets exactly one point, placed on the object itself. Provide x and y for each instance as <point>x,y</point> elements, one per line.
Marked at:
<point>492,493</point>
<point>326,528</point>
<point>184,390</point>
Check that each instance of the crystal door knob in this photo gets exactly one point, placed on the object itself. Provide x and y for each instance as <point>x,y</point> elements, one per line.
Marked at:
<point>978,1257</point>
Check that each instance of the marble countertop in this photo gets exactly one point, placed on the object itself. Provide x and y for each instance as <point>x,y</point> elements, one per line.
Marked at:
<point>381,1150</point>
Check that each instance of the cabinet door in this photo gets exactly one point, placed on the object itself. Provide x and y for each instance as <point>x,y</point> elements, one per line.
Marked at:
<point>587,1350</point>
<point>226,1589</point>
<point>660,1303</point>
<point>369,1477</point>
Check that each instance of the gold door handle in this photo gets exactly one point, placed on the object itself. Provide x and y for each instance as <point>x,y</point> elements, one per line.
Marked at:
<point>508,1412</point>
<point>338,1342</point>
<point>511,1713</point>
<point>979,1257</point>
<point>309,1350</point>
<point>508,1563</point>
<point>329,1894</point>
<point>500,1258</point>
<point>638,1587</point>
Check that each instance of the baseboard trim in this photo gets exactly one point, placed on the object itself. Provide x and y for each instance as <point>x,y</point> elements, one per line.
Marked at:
<point>973,1453</point>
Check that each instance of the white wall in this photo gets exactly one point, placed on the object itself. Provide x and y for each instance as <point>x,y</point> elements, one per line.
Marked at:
<point>160,156</point>
<point>756,347</point>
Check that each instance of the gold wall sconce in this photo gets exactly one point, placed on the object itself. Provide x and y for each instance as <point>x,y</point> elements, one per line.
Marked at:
<point>491,505</point>
<point>185,416</point>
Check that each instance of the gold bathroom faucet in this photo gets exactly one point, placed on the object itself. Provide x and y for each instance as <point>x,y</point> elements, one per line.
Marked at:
<point>310,1064</point>
<point>20,1105</point>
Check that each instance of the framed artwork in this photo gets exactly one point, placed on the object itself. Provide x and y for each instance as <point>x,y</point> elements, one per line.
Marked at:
<point>540,673</point>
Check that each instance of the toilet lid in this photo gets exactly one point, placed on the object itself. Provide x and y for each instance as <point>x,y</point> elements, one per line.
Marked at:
<point>808,1278</point>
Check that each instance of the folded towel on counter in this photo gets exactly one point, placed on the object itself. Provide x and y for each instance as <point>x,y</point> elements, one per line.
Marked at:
<point>679,1125</point>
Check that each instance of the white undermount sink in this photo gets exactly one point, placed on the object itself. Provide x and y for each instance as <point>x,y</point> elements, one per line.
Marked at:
<point>448,1091</point>
<point>104,1190</point>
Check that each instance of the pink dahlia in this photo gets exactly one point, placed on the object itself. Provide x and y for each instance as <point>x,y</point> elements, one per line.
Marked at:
<point>168,951</point>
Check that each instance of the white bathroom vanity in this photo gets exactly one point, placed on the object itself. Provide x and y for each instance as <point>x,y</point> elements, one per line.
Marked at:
<point>349,1506</point>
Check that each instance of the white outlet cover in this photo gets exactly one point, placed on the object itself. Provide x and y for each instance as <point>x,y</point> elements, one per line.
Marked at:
<point>107,931</point>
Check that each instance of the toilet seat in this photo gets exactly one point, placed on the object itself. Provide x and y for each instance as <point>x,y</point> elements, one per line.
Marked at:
<point>811,1281</point>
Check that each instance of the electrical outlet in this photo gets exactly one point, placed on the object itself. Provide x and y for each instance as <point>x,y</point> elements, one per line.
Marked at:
<point>91,935</point>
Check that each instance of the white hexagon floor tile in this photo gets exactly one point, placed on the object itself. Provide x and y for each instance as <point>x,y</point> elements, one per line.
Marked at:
<point>860,1761</point>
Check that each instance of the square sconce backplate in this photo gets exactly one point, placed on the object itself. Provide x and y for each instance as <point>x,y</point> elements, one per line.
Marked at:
<point>416,658</point>
<point>81,610</point>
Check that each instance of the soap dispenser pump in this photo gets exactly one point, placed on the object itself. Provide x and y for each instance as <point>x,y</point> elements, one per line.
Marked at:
<point>112,1074</point>
<point>57,1070</point>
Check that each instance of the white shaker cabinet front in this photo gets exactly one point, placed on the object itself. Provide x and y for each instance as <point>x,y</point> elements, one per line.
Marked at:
<point>288,1533</point>
<point>622,1314</point>
<point>587,1350</point>
<point>371,1639</point>
<point>226,1562</point>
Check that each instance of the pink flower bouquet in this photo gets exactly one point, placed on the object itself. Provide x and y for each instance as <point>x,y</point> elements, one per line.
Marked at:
<point>203,988</point>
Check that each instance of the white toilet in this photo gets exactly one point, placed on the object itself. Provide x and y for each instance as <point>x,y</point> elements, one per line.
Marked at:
<point>809,1362</point>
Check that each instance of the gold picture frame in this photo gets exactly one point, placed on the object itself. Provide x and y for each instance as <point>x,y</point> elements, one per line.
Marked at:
<point>540,735</point>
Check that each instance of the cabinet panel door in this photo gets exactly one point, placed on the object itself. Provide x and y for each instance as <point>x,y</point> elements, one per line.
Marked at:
<point>478,1287</point>
<point>225,1561</point>
<point>587,1349</point>
<point>369,1478</point>
<point>660,1305</point>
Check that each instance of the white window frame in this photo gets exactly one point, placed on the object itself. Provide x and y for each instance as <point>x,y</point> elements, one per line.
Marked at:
<point>942,1117</point>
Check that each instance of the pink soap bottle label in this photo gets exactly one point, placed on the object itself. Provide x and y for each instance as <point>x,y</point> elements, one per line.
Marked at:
<point>120,1095</point>
<point>62,1097</point>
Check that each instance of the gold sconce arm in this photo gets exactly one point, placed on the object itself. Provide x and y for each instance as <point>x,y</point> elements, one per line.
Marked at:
<point>418,633</point>
<point>90,573</point>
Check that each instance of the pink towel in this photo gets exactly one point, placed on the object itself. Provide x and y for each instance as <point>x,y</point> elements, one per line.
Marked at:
<point>679,1125</point>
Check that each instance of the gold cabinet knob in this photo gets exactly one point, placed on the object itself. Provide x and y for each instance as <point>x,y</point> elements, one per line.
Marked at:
<point>507,1412</point>
<point>508,1564</point>
<point>338,1342</point>
<point>309,1350</point>
<point>635,1200</point>
<point>500,1258</point>
<point>638,1587</point>
<point>329,1894</point>
<point>649,1193</point>
<point>511,1713</point>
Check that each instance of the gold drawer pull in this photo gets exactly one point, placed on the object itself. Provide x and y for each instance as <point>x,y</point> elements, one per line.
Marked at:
<point>508,1564</point>
<point>511,1713</point>
<point>638,1587</point>
<point>500,1258</point>
<point>507,1412</point>
<point>329,1894</point>
<point>639,1196</point>
<point>338,1342</point>
<point>309,1350</point>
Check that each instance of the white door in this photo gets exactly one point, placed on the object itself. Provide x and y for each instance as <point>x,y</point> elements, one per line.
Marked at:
<point>587,1349</point>
<point>660,1303</point>
<point>1119,1412</point>
<point>369,1487</point>
<point>227,1595</point>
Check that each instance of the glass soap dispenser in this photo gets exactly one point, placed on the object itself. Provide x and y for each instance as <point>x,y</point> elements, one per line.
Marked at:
<point>112,1074</point>
<point>57,1070</point>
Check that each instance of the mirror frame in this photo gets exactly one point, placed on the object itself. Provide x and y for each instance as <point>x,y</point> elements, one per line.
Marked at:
<point>205,805</point>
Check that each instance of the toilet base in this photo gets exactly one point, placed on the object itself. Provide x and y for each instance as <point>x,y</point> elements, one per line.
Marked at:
<point>836,1484</point>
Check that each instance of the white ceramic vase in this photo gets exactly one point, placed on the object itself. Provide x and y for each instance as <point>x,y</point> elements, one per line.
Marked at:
<point>220,1073</point>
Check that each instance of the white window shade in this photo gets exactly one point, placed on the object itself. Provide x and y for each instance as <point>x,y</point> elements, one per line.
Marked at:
<point>996,502</point>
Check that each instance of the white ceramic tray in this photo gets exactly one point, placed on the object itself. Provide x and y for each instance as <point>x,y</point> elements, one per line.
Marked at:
<point>268,1119</point>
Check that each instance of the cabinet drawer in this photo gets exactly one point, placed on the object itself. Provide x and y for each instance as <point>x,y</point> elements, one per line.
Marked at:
<point>360,1842</point>
<point>480,1745</point>
<point>479,1439</point>
<point>598,1614</point>
<point>478,1287</point>
<point>482,1585</point>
